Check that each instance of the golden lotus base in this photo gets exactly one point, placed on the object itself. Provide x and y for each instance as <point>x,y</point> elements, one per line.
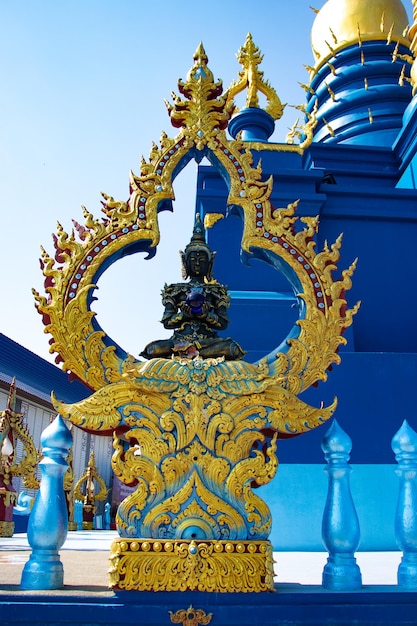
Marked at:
<point>180,565</point>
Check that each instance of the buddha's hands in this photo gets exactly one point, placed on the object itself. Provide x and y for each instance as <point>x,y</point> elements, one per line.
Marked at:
<point>189,313</point>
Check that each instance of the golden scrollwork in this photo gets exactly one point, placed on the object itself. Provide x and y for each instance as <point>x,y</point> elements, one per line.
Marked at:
<point>201,436</point>
<point>221,566</point>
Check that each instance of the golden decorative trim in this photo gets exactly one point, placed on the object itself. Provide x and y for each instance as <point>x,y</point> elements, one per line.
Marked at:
<point>6,529</point>
<point>180,565</point>
<point>190,617</point>
<point>212,218</point>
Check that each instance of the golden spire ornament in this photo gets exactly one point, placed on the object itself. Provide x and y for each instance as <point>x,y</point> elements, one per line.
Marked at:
<point>251,78</point>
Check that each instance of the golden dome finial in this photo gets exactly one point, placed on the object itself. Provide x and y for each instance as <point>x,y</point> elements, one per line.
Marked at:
<point>412,33</point>
<point>348,22</point>
<point>252,79</point>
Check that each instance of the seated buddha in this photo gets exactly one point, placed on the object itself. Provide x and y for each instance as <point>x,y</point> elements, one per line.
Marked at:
<point>195,310</point>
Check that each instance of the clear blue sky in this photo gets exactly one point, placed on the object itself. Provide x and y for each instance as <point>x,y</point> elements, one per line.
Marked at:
<point>83,84</point>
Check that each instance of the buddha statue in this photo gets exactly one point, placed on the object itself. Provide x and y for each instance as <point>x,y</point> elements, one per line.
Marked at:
<point>196,310</point>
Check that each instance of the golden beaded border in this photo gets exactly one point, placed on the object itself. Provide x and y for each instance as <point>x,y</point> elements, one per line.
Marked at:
<point>179,565</point>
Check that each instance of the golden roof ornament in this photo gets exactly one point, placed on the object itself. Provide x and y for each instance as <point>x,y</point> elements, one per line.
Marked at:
<point>252,79</point>
<point>85,487</point>
<point>12,430</point>
<point>204,109</point>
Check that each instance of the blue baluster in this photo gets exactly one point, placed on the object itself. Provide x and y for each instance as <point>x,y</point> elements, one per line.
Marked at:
<point>340,527</point>
<point>107,516</point>
<point>404,445</point>
<point>78,514</point>
<point>48,521</point>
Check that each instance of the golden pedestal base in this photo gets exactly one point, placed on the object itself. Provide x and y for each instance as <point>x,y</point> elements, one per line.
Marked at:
<point>180,565</point>
<point>6,529</point>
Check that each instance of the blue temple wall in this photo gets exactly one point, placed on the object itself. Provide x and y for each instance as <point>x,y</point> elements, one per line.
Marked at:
<point>366,192</point>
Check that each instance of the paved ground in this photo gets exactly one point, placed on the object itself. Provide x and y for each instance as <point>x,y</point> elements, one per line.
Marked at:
<point>85,559</point>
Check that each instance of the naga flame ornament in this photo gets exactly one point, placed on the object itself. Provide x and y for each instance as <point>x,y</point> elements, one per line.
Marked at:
<point>195,436</point>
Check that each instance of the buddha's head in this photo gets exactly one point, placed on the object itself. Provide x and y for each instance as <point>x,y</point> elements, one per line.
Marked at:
<point>197,258</point>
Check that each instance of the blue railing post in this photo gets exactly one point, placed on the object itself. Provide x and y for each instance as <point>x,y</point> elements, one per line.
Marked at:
<point>340,527</point>
<point>404,445</point>
<point>48,521</point>
<point>107,516</point>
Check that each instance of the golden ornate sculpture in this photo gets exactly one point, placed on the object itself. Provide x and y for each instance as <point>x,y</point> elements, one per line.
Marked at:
<point>195,431</point>
<point>12,428</point>
<point>85,491</point>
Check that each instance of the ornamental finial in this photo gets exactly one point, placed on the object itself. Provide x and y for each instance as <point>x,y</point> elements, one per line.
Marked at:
<point>252,79</point>
<point>203,110</point>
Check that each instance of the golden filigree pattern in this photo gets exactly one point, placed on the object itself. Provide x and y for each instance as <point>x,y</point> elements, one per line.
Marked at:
<point>201,444</point>
<point>217,566</point>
